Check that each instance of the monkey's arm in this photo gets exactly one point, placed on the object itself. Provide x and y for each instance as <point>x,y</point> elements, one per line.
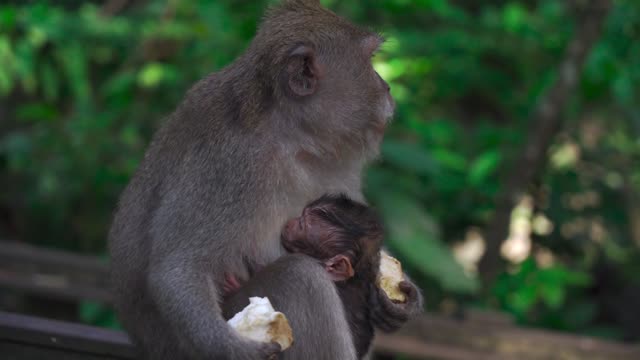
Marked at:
<point>186,297</point>
<point>182,279</point>
<point>389,316</point>
<point>300,287</point>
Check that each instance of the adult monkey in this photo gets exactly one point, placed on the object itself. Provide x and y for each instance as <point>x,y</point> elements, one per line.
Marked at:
<point>296,116</point>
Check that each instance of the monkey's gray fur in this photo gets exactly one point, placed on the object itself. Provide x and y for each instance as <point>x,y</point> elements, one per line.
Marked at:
<point>296,116</point>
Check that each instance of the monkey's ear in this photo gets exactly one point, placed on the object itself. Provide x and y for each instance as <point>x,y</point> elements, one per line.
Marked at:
<point>302,71</point>
<point>339,268</point>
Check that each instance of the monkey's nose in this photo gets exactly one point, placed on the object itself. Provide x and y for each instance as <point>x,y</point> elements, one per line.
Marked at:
<point>290,227</point>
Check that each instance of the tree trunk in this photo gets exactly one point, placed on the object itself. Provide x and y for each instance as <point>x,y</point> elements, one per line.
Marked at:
<point>546,122</point>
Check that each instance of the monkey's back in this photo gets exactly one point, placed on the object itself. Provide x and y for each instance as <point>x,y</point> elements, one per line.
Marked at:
<point>203,171</point>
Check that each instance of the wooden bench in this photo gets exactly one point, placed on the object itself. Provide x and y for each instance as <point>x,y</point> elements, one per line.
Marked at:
<point>74,277</point>
<point>30,338</point>
<point>53,273</point>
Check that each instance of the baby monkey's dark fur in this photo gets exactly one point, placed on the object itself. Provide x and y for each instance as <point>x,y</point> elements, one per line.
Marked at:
<point>351,229</point>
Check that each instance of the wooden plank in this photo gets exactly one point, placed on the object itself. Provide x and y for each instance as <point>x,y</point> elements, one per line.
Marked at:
<point>478,336</point>
<point>22,331</point>
<point>13,250</point>
<point>60,340</point>
<point>415,348</point>
<point>26,337</point>
<point>20,351</point>
<point>53,273</point>
<point>505,341</point>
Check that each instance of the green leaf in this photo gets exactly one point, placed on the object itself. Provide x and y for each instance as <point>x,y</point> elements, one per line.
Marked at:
<point>578,278</point>
<point>437,132</point>
<point>523,299</point>
<point>380,179</point>
<point>483,167</point>
<point>449,159</point>
<point>120,85</point>
<point>408,156</point>
<point>73,60</point>
<point>25,65</point>
<point>514,16</point>
<point>50,83</point>
<point>36,112</point>
<point>552,295</point>
<point>7,18</point>
<point>153,74</point>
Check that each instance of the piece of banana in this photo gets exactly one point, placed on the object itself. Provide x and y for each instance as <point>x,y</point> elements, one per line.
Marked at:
<point>390,276</point>
<point>260,322</point>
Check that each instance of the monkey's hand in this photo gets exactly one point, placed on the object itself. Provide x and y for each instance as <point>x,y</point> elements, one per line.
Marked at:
<point>254,350</point>
<point>388,315</point>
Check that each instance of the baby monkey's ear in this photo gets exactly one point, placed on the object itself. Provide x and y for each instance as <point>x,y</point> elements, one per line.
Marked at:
<point>339,268</point>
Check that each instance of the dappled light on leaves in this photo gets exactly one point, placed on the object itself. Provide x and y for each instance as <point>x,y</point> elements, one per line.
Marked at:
<point>541,225</point>
<point>517,246</point>
<point>469,251</point>
<point>565,155</point>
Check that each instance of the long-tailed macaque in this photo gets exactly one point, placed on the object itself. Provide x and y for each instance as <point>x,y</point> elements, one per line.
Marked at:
<point>298,115</point>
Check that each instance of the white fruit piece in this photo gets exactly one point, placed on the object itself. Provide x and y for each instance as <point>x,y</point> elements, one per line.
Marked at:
<point>390,276</point>
<point>260,322</point>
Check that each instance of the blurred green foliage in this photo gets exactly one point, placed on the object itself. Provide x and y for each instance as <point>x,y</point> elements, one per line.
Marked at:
<point>82,88</point>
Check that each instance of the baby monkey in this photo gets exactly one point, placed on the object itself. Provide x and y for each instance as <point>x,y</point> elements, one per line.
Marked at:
<point>346,236</point>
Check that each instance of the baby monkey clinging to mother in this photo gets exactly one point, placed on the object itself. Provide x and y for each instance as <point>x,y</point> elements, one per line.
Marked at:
<point>346,236</point>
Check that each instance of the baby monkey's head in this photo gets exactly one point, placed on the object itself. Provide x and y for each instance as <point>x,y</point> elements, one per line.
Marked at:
<point>344,234</point>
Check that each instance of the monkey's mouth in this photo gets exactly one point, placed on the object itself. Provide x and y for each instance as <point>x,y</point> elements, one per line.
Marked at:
<point>380,126</point>
<point>286,243</point>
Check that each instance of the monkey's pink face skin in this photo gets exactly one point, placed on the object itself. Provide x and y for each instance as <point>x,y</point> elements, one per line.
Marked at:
<point>308,234</point>
<point>388,107</point>
<point>311,236</point>
<point>386,104</point>
<point>301,231</point>
<point>292,230</point>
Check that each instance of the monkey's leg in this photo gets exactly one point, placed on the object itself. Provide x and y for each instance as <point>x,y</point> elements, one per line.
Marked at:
<point>148,332</point>
<point>299,287</point>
